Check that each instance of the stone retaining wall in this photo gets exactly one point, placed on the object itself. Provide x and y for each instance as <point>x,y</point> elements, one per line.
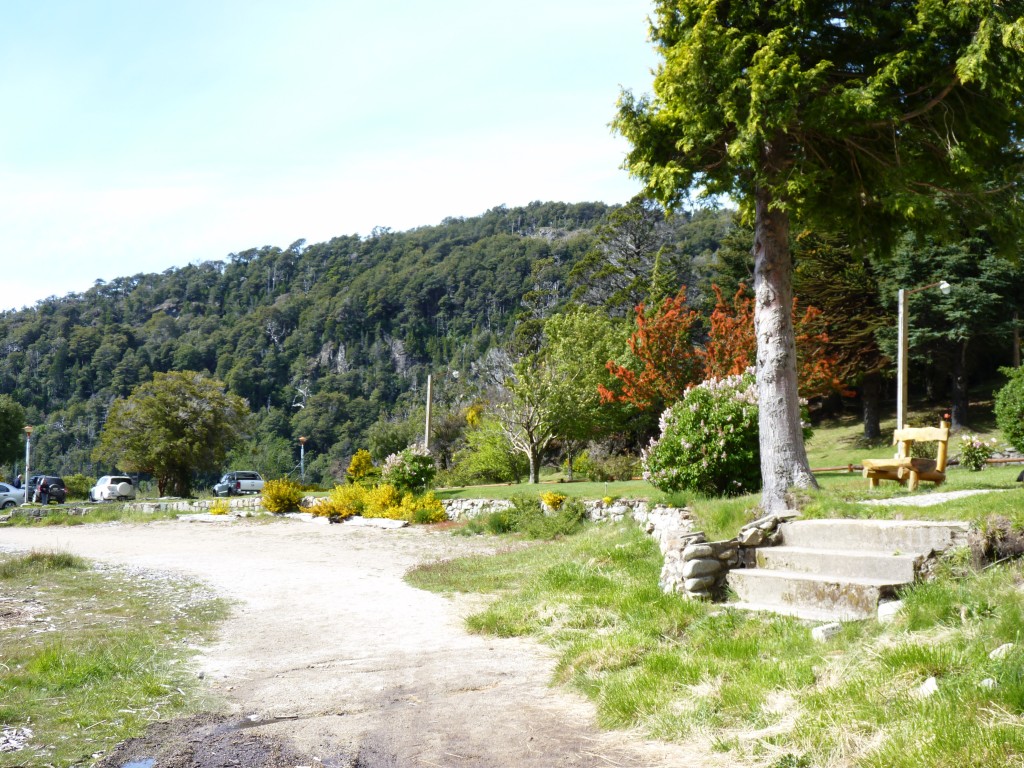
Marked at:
<point>698,568</point>
<point>234,503</point>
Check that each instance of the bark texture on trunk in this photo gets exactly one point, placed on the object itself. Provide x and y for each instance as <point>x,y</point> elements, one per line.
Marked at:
<point>870,394</point>
<point>534,457</point>
<point>783,456</point>
<point>960,395</point>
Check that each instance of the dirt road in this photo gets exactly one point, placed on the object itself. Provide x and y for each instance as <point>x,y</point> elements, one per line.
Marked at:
<point>367,670</point>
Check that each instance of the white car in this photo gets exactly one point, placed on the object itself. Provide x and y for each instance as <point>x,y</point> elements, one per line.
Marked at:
<point>112,488</point>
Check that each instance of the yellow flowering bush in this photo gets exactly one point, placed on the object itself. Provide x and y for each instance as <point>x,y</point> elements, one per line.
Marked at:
<point>422,509</point>
<point>553,500</point>
<point>281,495</point>
<point>383,501</point>
<point>219,507</point>
<point>342,501</point>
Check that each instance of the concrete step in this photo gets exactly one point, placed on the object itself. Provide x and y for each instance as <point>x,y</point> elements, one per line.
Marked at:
<point>844,599</point>
<point>796,611</point>
<point>897,536</point>
<point>843,563</point>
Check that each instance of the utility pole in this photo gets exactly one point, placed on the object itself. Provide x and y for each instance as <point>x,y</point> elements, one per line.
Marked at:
<point>426,433</point>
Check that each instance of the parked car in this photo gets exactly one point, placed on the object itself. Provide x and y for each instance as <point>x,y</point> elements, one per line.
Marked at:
<point>55,490</point>
<point>10,496</point>
<point>112,488</point>
<point>238,482</point>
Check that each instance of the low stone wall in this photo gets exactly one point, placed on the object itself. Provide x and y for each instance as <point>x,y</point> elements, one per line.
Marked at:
<point>698,568</point>
<point>235,504</point>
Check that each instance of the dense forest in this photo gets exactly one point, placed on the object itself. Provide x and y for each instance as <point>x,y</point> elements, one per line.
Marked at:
<point>327,340</point>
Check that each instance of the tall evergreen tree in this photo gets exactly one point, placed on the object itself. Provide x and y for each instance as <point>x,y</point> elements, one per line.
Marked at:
<point>864,113</point>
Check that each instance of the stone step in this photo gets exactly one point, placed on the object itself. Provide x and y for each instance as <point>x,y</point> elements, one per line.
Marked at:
<point>842,599</point>
<point>897,536</point>
<point>796,611</point>
<point>841,562</point>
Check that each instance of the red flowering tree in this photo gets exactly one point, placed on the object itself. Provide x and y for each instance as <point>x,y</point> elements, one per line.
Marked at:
<point>731,346</point>
<point>664,362</point>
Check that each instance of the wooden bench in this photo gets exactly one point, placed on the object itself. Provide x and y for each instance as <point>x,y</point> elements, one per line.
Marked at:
<point>906,469</point>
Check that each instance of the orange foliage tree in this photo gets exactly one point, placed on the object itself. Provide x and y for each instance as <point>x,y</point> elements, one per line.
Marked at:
<point>666,362</point>
<point>731,346</point>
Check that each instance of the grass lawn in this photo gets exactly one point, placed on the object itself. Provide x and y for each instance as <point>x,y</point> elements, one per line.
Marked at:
<point>629,489</point>
<point>89,657</point>
<point>758,686</point>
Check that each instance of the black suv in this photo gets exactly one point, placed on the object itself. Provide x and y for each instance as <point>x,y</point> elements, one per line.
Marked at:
<point>55,490</point>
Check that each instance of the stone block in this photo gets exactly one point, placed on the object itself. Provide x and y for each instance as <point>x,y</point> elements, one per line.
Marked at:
<point>1002,651</point>
<point>752,537</point>
<point>826,631</point>
<point>928,688</point>
<point>696,568</point>
<point>702,584</point>
<point>695,551</point>
<point>889,610</point>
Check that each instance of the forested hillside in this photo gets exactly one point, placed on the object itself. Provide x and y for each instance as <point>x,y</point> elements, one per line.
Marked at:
<point>323,340</point>
<point>334,341</point>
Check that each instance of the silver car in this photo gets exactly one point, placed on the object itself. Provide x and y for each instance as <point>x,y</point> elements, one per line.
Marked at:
<point>112,488</point>
<point>11,496</point>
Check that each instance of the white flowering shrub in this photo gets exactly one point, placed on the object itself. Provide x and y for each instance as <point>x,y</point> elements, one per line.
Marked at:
<point>709,440</point>
<point>974,452</point>
<point>409,470</point>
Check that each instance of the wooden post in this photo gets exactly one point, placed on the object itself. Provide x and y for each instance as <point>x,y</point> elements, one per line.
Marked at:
<point>426,433</point>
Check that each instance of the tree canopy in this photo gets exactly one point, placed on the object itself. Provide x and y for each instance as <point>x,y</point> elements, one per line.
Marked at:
<point>171,427</point>
<point>863,113</point>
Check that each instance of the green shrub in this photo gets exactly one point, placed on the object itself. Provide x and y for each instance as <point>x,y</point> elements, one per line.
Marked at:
<point>487,458</point>
<point>608,469</point>
<point>78,486</point>
<point>281,495</point>
<point>409,470</point>
<point>974,452</point>
<point>709,441</point>
<point>1010,408</point>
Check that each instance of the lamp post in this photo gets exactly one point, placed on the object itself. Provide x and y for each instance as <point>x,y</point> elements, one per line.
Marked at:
<point>302,459</point>
<point>28,458</point>
<point>903,346</point>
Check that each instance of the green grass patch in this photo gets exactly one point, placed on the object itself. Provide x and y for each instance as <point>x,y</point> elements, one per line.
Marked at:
<point>37,562</point>
<point>90,657</point>
<point>627,489</point>
<point>99,513</point>
<point>679,669</point>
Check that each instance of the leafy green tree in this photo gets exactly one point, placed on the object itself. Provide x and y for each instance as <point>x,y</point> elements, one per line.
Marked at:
<point>948,334</point>
<point>12,421</point>
<point>836,114</point>
<point>489,456</point>
<point>529,413</point>
<point>172,427</point>
<point>578,345</point>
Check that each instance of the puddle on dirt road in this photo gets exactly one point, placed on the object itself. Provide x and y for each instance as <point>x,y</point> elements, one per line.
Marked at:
<point>146,762</point>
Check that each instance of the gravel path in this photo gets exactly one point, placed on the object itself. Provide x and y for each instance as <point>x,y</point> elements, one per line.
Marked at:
<point>926,499</point>
<point>361,668</point>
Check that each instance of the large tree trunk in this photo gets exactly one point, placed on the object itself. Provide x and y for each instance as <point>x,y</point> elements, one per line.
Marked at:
<point>870,396</point>
<point>783,456</point>
<point>960,396</point>
<point>534,457</point>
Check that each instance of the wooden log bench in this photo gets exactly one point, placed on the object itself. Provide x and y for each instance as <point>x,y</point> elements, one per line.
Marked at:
<point>904,468</point>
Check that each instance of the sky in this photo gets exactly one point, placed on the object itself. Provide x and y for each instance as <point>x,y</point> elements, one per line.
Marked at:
<point>140,136</point>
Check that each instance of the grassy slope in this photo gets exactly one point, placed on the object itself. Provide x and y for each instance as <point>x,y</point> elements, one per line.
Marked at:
<point>758,686</point>
<point>101,660</point>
